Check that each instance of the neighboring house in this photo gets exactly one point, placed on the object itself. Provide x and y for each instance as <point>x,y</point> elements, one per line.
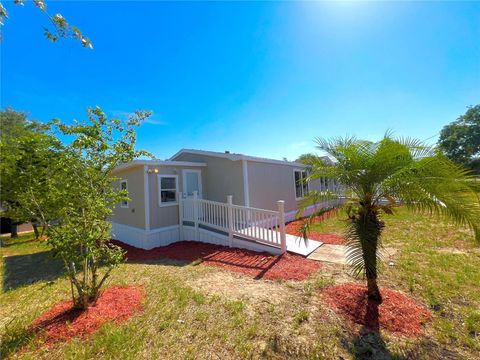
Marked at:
<point>157,190</point>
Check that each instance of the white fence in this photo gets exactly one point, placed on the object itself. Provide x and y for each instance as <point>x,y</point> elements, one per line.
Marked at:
<point>260,225</point>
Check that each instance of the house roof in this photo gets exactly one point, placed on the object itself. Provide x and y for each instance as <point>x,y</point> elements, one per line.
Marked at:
<point>135,163</point>
<point>236,157</point>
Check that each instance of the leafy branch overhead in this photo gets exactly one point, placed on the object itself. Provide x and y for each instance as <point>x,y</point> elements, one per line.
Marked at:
<point>61,28</point>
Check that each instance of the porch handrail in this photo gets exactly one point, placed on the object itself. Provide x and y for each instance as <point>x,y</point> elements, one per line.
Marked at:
<point>259,225</point>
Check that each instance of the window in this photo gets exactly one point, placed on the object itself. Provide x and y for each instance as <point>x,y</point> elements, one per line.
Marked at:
<point>325,182</point>
<point>123,186</point>
<point>167,189</point>
<point>301,183</point>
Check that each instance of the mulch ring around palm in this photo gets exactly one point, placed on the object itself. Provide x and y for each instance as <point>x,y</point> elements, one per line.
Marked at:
<point>396,313</point>
<point>62,322</point>
<point>254,264</point>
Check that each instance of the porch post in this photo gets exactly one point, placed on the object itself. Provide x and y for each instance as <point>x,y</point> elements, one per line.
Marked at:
<point>230,220</point>
<point>195,214</point>
<point>281,215</point>
<point>180,215</point>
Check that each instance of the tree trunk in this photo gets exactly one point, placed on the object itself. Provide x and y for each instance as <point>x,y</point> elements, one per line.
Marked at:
<point>368,228</point>
<point>35,230</point>
<point>44,229</point>
<point>373,290</point>
<point>14,230</point>
<point>84,301</point>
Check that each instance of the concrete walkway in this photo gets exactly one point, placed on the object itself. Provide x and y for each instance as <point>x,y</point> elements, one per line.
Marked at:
<point>335,254</point>
<point>329,253</point>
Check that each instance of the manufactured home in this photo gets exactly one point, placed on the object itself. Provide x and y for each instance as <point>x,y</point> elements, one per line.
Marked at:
<point>222,198</point>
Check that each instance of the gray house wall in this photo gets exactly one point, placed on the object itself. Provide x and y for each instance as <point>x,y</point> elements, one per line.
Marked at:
<point>223,177</point>
<point>315,184</point>
<point>134,214</point>
<point>268,183</point>
<point>161,216</point>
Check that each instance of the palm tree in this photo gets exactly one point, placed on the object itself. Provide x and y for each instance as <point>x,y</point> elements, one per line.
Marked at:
<point>377,177</point>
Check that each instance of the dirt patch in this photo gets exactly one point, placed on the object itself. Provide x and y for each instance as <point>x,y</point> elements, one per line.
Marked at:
<point>448,250</point>
<point>235,286</point>
<point>254,264</point>
<point>63,322</point>
<point>397,313</point>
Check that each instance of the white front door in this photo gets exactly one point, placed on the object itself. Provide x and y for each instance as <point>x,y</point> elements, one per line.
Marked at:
<point>192,181</point>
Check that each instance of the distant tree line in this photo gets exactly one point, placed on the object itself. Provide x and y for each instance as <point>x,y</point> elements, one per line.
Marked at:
<point>460,140</point>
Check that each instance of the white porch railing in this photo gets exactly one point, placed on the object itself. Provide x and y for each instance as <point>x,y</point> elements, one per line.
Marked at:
<point>260,225</point>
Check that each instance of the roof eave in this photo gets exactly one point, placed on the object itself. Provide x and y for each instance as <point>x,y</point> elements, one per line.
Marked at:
<point>135,163</point>
<point>237,157</point>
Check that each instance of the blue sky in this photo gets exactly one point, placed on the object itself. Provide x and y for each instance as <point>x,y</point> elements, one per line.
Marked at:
<point>261,78</point>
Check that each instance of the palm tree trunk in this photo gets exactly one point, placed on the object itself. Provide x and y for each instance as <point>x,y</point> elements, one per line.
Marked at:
<point>368,228</point>
<point>373,290</point>
<point>370,258</point>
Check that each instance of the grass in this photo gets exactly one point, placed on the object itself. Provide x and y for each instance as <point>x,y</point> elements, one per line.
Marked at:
<point>436,264</point>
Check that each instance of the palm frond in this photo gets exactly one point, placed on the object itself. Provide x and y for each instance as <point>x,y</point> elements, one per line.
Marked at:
<point>323,202</point>
<point>363,243</point>
<point>436,186</point>
<point>417,148</point>
<point>317,199</point>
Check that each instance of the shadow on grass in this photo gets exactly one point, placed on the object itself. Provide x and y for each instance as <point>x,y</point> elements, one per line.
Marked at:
<point>14,242</point>
<point>369,344</point>
<point>221,259</point>
<point>17,335</point>
<point>20,270</point>
<point>182,253</point>
<point>163,261</point>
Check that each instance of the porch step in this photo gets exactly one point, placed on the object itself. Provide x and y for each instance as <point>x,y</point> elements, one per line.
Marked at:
<point>297,245</point>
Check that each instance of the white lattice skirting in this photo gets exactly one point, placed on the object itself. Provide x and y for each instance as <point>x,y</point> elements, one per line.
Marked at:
<point>147,240</point>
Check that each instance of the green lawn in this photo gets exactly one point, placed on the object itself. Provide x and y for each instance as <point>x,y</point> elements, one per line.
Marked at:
<point>194,311</point>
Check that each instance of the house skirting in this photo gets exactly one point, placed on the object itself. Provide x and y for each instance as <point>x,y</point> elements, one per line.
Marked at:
<point>145,239</point>
<point>290,216</point>
<point>149,239</point>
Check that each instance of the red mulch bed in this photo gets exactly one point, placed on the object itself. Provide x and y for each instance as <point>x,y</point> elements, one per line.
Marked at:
<point>254,264</point>
<point>62,322</point>
<point>397,313</point>
<point>293,228</point>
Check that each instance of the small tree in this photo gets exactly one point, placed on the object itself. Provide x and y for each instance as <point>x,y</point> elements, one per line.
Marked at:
<point>379,175</point>
<point>83,185</point>
<point>28,154</point>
